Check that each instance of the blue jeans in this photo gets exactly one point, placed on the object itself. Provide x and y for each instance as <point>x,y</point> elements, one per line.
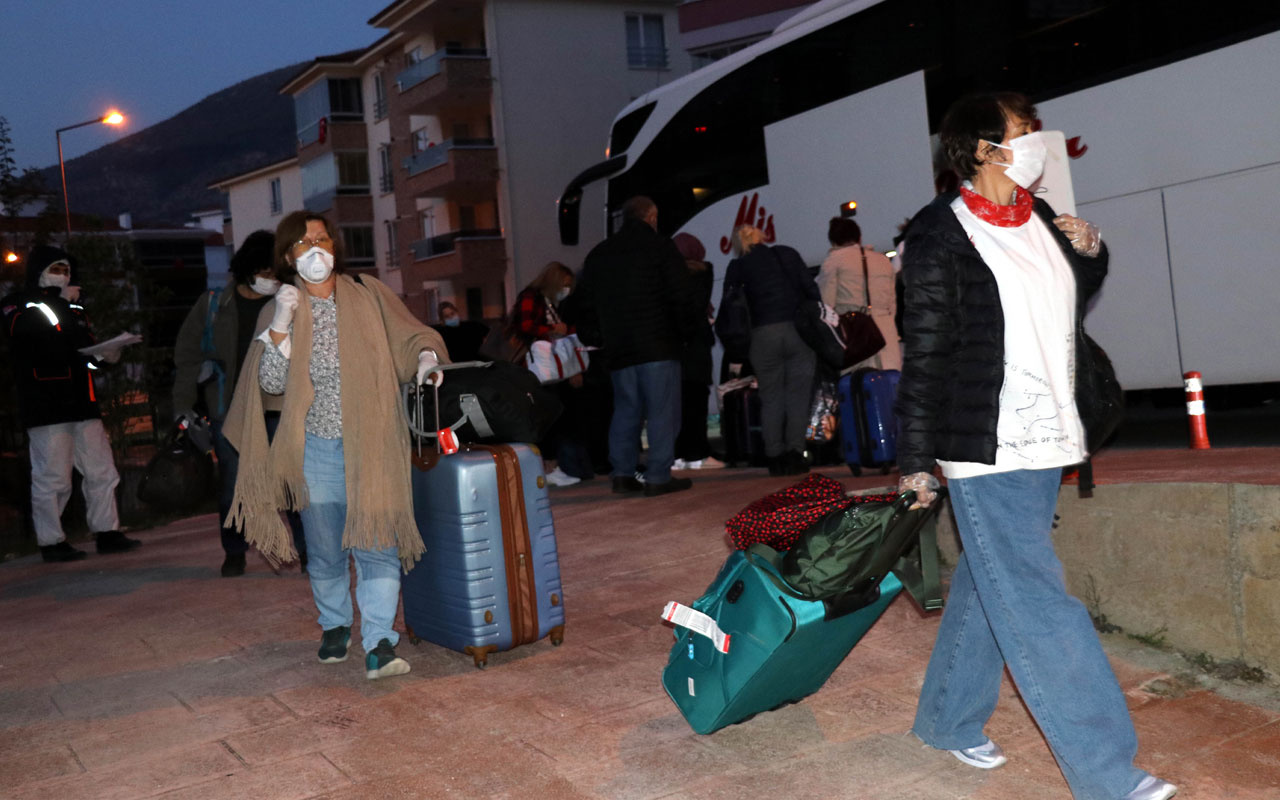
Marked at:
<point>1009,605</point>
<point>377,571</point>
<point>650,393</point>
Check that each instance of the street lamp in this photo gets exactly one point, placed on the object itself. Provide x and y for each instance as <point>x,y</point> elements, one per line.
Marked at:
<point>112,117</point>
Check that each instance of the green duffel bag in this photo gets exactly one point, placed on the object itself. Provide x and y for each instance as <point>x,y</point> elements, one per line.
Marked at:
<point>849,551</point>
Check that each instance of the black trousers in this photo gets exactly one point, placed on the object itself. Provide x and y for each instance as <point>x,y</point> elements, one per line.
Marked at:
<point>691,443</point>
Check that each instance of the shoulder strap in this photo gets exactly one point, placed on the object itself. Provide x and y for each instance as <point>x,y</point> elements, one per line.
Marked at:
<point>210,316</point>
<point>866,282</point>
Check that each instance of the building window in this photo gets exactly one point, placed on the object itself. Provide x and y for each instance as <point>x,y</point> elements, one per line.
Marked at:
<point>646,42</point>
<point>344,98</point>
<point>386,179</point>
<point>357,245</point>
<point>393,254</point>
<point>277,198</point>
<point>379,97</point>
<point>421,140</point>
<point>353,172</point>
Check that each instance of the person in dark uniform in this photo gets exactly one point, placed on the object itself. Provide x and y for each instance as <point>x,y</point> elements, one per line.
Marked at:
<point>462,337</point>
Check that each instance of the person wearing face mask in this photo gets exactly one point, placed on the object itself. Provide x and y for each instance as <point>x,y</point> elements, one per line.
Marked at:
<point>995,289</point>
<point>534,316</point>
<point>334,355</point>
<point>211,345</point>
<point>463,338</point>
<point>47,326</point>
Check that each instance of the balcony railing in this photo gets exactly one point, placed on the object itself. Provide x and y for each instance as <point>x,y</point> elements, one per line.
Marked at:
<point>447,242</point>
<point>311,133</point>
<point>435,156</point>
<point>379,109</point>
<point>386,182</point>
<point>647,57</point>
<point>430,66</point>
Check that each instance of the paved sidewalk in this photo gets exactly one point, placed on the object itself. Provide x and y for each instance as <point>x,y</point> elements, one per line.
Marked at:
<point>147,675</point>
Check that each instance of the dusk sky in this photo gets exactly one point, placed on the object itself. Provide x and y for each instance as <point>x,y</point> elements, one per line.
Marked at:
<point>66,61</point>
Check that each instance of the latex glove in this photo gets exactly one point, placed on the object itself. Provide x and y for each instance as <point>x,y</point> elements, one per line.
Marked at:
<point>286,303</point>
<point>735,369</point>
<point>71,294</point>
<point>1084,235</point>
<point>426,360</point>
<point>923,484</point>
<point>184,413</point>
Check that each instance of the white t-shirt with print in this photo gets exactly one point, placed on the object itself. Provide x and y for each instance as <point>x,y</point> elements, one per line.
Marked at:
<point>1039,426</point>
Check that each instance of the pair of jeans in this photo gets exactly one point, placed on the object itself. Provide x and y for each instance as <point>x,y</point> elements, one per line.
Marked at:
<point>233,541</point>
<point>377,571</point>
<point>1008,606</point>
<point>784,367</point>
<point>645,393</point>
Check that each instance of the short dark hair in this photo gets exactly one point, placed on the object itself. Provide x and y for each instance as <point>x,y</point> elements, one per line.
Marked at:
<point>292,228</point>
<point>445,306</point>
<point>637,207</point>
<point>842,231</point>
<point>254,255</point>
<point>975,118</point>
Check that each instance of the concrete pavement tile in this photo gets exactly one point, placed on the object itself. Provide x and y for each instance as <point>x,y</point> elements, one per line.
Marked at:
<point>32,765</point>
<point>856,711</point>
<point>1250,761</point>
<point>20,707</point>
<point>1172,728</point>
<point>138,778</point>
<point>642,772</point>
<point>290,780</point>
<point>307,701</point>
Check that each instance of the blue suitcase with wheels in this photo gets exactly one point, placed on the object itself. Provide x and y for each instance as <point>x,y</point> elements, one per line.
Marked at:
<point>780,649</point>
<point>868,426</point>
<point>490,577</point>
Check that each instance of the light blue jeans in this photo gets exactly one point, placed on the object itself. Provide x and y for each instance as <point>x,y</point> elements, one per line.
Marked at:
<point>377,571</point>
<point>1009,605</point>
<point>645,393</point>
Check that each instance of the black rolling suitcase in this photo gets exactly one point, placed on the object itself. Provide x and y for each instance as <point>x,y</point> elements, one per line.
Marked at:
<point>741,427</point>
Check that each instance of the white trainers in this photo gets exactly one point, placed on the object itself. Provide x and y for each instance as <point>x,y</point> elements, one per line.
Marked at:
<point>680,463</point>
<point>558,477</point>
<point>987,755</point>
<point>707,463</point>
<point>1152,788</point>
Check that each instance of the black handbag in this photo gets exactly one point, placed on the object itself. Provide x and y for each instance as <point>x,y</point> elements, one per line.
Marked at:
<point>179,477</point>
<point>1099,397</point>
<point>733,323</point>
<point>861,334</point>
<point>485,403</point>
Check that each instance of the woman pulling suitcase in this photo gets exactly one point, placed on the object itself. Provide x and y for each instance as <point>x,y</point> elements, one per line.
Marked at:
<point>338,349</point>
<point>995,289</point>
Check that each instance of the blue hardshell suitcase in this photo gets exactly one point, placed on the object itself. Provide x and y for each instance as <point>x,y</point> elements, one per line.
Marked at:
<point>780,649</point>
<point>490,578</point>
<point>868,425</point>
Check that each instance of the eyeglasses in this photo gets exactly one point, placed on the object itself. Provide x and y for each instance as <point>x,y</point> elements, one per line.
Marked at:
<point>306,243</point>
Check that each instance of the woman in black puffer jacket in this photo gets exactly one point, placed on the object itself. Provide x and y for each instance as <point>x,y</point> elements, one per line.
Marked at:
<point>995,289</point>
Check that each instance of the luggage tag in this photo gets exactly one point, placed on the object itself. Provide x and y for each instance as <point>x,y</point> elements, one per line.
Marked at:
<point>696,621</point>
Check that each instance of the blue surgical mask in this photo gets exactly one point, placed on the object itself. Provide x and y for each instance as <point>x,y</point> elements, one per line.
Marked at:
<point>453,322</point>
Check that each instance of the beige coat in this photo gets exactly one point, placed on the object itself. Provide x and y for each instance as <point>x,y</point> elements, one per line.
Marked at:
<point>840,282</point>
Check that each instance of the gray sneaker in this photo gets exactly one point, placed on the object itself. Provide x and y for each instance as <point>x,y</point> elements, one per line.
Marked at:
<point>1152,788</point>
<point>987,755</point>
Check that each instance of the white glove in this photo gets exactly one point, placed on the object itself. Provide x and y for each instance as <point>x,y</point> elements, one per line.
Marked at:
<point>286,303</point>
<point>426,360</point>
<point>1085,237</point>
<point>923,484</point>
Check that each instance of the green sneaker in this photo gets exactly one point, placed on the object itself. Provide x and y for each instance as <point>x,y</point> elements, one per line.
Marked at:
<point>382,662</point>
<point>333,645</point>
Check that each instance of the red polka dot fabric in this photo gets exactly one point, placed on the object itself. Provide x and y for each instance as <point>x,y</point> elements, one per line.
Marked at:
<point>779,519</point>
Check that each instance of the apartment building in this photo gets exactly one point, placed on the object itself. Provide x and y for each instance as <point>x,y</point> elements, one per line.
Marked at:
<point>257,199</point>
<point>439,150</point>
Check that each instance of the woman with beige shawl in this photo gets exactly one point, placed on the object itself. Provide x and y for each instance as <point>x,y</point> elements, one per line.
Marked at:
<point>341,453</point>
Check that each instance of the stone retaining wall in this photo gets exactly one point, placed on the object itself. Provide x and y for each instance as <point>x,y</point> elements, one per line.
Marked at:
<point>1197,564</point>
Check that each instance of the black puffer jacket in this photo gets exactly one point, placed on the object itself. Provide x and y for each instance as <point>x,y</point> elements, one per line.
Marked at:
<point>634,298</point>
<point>953,365</point>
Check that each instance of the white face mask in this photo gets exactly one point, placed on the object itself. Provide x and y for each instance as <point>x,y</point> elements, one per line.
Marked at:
<point>562,294</point>
<point>1029,155</point>
<point>263,285</point>
<point>47,278</point>
<point>315,265</point>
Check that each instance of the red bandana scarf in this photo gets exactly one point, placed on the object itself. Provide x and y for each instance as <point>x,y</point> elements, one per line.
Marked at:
<point>996,214</point>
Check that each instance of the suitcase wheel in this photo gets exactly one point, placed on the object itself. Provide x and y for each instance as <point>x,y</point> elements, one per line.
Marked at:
<point>414,640</point>
<point>856,470</point>
<point>557,636</point>
<point>480,654</point>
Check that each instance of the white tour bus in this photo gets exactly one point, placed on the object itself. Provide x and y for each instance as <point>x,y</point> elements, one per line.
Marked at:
<point>1171,113</point>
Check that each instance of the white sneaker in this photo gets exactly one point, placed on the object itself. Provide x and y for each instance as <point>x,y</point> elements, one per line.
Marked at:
<point>1152,788</point>
<point>680,463</point>
<point>987,755</point>
<point>707,463</point>
<point>558,477</point>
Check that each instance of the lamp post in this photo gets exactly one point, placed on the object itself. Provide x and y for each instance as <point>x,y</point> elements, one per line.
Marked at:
<point>111,118</point>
